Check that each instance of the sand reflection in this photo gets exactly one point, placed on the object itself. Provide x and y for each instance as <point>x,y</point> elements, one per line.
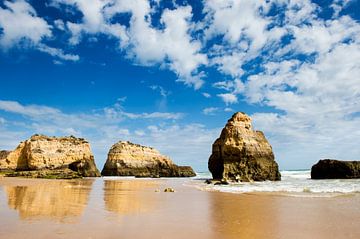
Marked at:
<point>244,216</point>
<point>57,200</point>
<point>129,196</point>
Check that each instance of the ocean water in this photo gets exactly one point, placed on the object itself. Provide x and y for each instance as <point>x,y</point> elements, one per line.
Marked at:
<point>293,183</point>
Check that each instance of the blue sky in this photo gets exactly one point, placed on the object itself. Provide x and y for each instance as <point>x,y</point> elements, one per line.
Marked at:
<point>168,74</point>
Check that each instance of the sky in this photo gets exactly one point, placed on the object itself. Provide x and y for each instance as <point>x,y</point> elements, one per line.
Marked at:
<point>169,74</point>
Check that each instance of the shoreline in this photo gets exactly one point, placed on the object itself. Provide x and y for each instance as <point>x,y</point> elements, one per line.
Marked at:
<point>131,208</point>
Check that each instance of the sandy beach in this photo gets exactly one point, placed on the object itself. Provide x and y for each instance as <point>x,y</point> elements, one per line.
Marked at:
<point>130,208</point>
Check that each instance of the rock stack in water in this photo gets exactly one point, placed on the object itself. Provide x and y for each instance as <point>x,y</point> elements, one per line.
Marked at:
<point>335,169</point>
<point>242,154</point>
<point>40,156</point>
<point>128,159</point>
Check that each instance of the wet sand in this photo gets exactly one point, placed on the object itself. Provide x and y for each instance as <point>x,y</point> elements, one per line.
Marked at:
<point>130,208</point>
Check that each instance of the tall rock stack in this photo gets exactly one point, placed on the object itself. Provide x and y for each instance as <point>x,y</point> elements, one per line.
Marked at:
<point>41,152</point>
<point>242,154</point>
<point>128,159</point>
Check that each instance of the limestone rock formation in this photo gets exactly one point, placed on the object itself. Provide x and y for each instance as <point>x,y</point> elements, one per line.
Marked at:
<point>51,153</point>
<point>242,154</point>
<point>128,159</point>
<point>335,169</point>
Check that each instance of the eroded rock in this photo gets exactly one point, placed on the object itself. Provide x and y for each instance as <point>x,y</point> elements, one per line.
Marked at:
<point>43,153</point>
<point>335,169</point>
<point>128,159</point>
<point>242,154</point>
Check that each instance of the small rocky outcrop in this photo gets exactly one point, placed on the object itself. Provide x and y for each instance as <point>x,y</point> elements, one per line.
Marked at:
<point>242,154</point>
<point>128,159</point>
<point>46,154</point>
<point>335,169</point>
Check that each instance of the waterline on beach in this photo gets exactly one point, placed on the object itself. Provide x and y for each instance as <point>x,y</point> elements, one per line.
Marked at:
<point>297,183</point>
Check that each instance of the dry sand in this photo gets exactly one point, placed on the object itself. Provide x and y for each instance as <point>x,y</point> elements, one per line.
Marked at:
<point>130,208</point>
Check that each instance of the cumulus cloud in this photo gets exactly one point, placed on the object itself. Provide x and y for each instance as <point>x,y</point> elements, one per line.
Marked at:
<point>93,21</point>
<point>320,102</point>
<point>172,46</point>
<point>21,26</point>
<point>19,22</point>
<point>228,98</point>
<point>245,29</point>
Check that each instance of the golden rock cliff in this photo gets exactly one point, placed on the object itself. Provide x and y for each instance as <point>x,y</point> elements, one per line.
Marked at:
<point>41,152</point>
<point>128,159</point>
<point>242,154</point>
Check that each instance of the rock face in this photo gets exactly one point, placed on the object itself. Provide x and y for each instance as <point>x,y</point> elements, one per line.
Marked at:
<point>242,154</point>
<point>335,169</point>
<point>128,159</point>
<point>51,153</point>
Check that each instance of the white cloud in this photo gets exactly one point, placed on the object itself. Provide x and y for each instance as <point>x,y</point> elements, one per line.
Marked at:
<point>210,110</point>
<point>154,115</point>
<point>55,52</point>
<point>237,20</point>
<point>111,115</point>
<point>321,106</point>
<point>164,93</point>
<point>139,132</point>
<point>299,11</point>
<point>172,46</point>
<point>206,95</point>
<point>123,132</point>
<point>235,86</point>
<point>19,22</point>
<point>59,24</point>
<point>322,36</point>
<point>245,30</point>
<point>227,109</point>
<point>228,98</point>
<point>230,64</point>
<point>93,21</point>
<point>31,110</point>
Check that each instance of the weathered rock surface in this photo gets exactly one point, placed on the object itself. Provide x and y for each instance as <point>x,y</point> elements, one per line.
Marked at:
<point>335,169</point>
<point>128,159</point>
<point>242,154</point>
<point>51,153</point>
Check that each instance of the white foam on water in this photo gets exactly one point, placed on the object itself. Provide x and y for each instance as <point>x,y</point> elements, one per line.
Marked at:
<point>293,183</point>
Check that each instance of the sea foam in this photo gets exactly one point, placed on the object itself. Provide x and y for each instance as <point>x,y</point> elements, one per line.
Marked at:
<point>293,183</point>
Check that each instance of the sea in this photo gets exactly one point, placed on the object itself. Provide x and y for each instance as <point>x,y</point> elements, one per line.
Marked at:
<point>296,183</point>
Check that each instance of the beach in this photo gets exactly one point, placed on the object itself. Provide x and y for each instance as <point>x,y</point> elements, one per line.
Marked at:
<point>113,207</point>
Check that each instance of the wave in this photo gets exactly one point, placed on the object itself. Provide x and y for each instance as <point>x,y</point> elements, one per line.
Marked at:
<point>293,183</point>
